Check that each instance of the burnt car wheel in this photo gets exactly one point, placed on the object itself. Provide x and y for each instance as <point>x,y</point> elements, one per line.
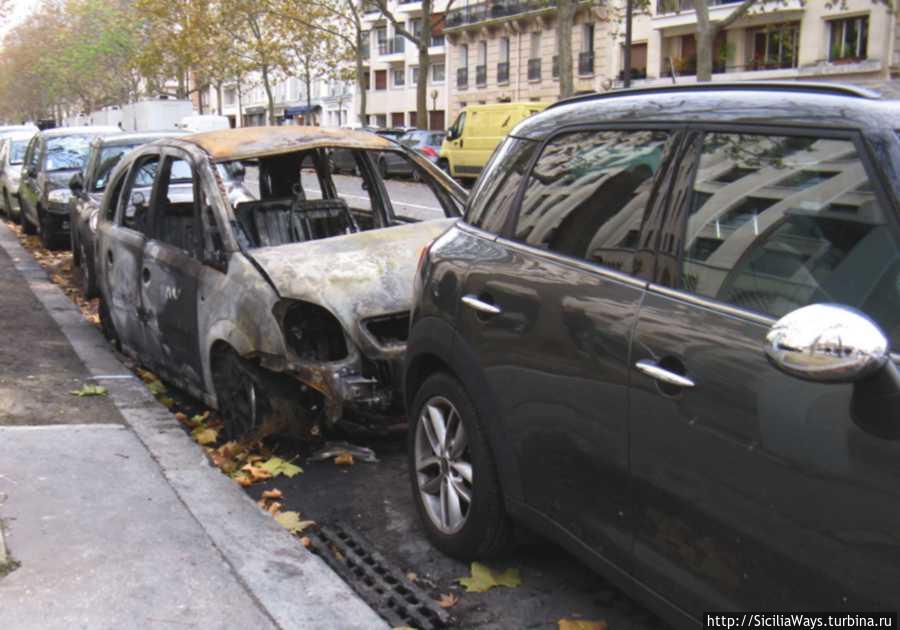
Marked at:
<point>453,476</point>
<point>106,324</point>
<point>46,229</point>
<point>240,393</point>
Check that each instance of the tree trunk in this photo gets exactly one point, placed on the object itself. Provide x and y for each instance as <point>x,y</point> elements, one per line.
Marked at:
<point>200,92</point>
<point>270,113</point>
<point>240,98</point>
<point>422,86</point>
<point>182,90</point>
<point>219,95</point>
<point>360,78</point>
<point>706,33</point>
<point>565,19</point>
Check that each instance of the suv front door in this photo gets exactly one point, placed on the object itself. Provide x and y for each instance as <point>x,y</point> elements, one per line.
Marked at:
<point>549,311</point>
<point>755,490</point>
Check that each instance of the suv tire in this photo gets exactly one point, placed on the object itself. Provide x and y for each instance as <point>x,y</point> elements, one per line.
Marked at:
<point>27,226</point>
<point>437,468</point>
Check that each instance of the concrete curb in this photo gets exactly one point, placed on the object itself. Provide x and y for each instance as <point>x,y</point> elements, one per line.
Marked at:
<point>292,586</point>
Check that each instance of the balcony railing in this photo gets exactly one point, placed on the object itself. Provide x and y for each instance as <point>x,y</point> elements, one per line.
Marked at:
<point>678,6</point>
<point>534,69</point>
<point>481,75</point>
<point>503,72</point>
<point>555,68</point>
<point>474,13</point>
<point>462,78</point>
<point>586,62</point>
<point>392,46</point>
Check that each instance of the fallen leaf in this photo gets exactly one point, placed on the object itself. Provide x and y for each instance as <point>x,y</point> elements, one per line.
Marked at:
<point>484,579</point>
<point>156,387</point>
<point>291,522</point>
<point>146,375</point>
<point>305,541</point>
<point>449,600</point>
<point>274,507</point>
<point>412,577</point>
<point>205,435</point>
<point>256,473</point>
<point>181,417</point>
<point>199,418</point>
<point>167,402</point>
<point>277,466</point>
<point>243,480</point>
<point>579,624</point>
<point>344,459</point>
<point>89,390</point>
<point>274,493</point>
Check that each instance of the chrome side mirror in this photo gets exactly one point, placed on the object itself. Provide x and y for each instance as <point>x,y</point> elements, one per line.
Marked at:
<point>828,343</point>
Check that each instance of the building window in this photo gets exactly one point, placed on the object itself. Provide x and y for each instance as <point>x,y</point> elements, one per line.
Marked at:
<point>481,67</point>
<point>848,38</point>
<point>413,75</point>
<point>535,48</point>
<point>437,73</point>
<point>775,47</point>
<point>381,79</point>
<point>415,27</point>
<point>437,29</point>
<point>381,39</point>
<point>464,56</point>
<point>638,61</point>
<point>230,96</point>
<point>399,77</point>
<point>534,57</point>
<point>503,63</point>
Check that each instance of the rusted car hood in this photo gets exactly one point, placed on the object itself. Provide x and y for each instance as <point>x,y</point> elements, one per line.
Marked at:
<point>354,276</point>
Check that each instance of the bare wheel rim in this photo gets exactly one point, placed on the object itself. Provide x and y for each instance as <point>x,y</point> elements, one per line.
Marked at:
<point>443,465</point>
<point>242,399</point>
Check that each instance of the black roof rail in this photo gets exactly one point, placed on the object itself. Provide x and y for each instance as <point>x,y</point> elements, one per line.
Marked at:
<point>811,87</point>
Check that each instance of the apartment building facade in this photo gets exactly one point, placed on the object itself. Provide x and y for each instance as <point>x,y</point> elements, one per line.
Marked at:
<point>506,50</point>
<point>392,66</point>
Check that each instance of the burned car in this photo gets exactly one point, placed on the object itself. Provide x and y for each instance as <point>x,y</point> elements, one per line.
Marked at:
<point>87,188</point>
<point>231,264</point>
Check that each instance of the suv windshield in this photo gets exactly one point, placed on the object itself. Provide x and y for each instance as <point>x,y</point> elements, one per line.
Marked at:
<point>67,152</point>
<point>17,151</point>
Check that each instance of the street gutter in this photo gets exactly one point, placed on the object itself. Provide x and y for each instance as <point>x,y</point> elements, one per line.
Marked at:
<point>292,586</point>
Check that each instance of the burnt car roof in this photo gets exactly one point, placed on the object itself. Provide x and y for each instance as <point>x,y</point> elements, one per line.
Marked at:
<point>782,104</point>
<point>252,142</point>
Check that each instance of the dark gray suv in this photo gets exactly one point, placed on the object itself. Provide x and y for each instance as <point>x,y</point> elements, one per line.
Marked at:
<point>666,336</point>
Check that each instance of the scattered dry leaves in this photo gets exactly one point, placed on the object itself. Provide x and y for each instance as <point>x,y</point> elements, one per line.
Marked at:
<point>448,600</point>
<point>344,459</point>
<point>483,578</point>
<point>581,624</point>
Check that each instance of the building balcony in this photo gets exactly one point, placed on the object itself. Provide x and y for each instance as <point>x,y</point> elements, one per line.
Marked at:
<point>462,78</point>
<point>394,46</point>
<point>481,75</point>
<point>534,69</point>
<point>586,62</point>
<point>503,72</point>
<point>680,6</point>
<point>494,9</point>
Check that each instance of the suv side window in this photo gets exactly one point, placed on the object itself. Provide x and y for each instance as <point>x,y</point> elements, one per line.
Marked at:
<point>588,191</point>
<point>492,201</point>
<point>779,222</point>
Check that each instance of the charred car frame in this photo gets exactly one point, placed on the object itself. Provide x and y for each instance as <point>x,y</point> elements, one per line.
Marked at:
<point>228,262</point>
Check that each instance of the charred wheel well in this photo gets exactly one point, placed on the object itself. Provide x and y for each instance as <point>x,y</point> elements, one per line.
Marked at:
<point>418,371</point>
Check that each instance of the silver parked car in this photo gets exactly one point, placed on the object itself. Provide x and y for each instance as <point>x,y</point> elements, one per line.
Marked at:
<point>12,156</point>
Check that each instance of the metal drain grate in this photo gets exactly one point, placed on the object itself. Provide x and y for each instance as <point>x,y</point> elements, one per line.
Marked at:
<point>382,586</point>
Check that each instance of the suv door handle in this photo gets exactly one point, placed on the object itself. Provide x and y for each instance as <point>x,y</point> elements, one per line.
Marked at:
<point>482,307</point>
<point>651,369</point>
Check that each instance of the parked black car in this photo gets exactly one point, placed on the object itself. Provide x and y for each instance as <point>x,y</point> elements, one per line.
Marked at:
<point>388,164</point>
<point>663,337</point>
<point>52,158</point>
<point>87,189</point>
<point>428,143</point>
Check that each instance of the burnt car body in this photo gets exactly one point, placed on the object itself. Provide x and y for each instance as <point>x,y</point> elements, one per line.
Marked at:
<point>228,262</point>
<point>666,336</point>
<point>12,157</point>
<point>87,188</point>
<point>52,158</point>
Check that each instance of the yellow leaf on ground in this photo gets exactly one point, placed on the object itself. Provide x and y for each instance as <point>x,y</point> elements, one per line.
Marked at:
<point>448,600</point>
<point>156,387</point>
<point>256,473</point>
<point>484,579</point>
<point>277,466</point>
<point>274,493</point>
<point>344,459</point>
<point>580,624</point>
<point>291,522</point>
<point>205,436</point>
<point>89,390</point>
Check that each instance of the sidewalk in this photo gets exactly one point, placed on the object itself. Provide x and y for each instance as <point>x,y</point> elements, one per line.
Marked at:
<point>114,514</point>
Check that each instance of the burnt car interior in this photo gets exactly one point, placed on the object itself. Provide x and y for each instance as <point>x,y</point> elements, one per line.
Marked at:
<point>296,199</point>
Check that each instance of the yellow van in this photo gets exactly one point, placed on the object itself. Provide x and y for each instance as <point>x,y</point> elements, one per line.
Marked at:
<point>476,133</point>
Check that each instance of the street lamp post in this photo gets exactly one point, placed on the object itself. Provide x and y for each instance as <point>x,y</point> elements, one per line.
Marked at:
<point>629,6</point>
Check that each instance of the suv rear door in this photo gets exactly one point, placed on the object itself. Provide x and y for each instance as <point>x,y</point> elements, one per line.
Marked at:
<point>564,292</point>
<point>755,490</point>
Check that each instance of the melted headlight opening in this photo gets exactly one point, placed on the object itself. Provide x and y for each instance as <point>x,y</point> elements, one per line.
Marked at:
<point>314,334</point>
<point>390,329</point>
